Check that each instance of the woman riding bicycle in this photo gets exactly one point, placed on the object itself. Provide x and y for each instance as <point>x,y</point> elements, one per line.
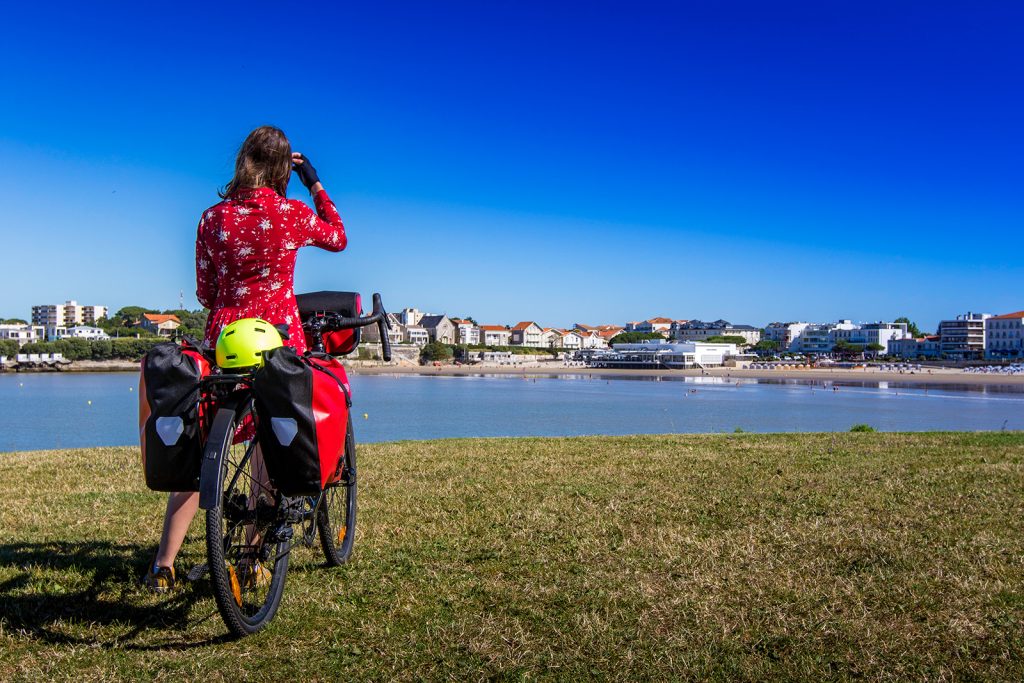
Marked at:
<point>245,266</point>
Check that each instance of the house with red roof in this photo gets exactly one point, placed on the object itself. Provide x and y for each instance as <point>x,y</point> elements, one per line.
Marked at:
<point>527,333</point>
<point>495,335</point>
<point>160,323</point>
<point>466,332</point>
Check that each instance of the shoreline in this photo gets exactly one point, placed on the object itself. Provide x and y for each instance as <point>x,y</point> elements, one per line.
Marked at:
<point>938,376</point>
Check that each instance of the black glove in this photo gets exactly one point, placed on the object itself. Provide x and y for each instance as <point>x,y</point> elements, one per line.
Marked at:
<point>307,174</point>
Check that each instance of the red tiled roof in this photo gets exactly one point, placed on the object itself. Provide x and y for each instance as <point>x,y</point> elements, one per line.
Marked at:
<point>659,320</point>
<point>523,325</point>
<point>1007,316</point>
<point>157,318</point>
<point>493,328</point>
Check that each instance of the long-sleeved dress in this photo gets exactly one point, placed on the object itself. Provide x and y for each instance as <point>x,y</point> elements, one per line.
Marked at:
<point>245,256</point>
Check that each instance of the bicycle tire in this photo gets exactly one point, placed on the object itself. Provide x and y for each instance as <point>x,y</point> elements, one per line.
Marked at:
<point>336,516</point>
<point>240,513</point>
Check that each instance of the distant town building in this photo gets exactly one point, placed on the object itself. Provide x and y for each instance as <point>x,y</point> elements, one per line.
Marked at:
<point>786,335</point>
<point>495,335</point>
<point>963,338</point>
<point>414,334</point>
<point>410,316</point>
<point>84,332</point>
<point>439,327</point>
<point>551,338</point>
<point>664,354</point>
<point>915,349</point>
<point>160,323</point>
<point>698,330</point>
<point>527,333</point>
<point>23,334</point>
<point>880,333</point>
<point>396,330</point>
<point>67,314</point>
<point>466,332</point>
<point>1004,336</point>
<point>572,339</point>
<point>592,339</point>
<point>653,325</point>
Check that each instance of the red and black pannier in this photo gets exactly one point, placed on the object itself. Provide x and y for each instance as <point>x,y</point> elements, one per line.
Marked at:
<point>347,304</point>
<point>302,405</point>
<point>173,431</point>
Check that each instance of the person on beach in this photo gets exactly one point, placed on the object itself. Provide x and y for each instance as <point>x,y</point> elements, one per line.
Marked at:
<point>245,265</point>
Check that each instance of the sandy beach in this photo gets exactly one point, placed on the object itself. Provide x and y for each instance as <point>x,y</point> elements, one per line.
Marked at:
<point>935,377</point>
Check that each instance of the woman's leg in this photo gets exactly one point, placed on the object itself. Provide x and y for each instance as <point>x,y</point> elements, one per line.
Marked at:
<point>181,508</point>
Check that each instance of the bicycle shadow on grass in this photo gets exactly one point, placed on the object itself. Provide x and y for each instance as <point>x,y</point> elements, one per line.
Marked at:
<point>92,587</point>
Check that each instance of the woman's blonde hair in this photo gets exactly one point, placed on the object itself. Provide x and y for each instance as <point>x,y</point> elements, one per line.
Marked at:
<point>264,160</point>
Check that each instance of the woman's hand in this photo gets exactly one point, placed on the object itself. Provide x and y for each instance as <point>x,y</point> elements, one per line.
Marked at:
<point>307,174</point>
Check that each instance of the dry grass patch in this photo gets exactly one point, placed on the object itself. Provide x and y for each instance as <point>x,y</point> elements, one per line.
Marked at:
<point>884,556</point>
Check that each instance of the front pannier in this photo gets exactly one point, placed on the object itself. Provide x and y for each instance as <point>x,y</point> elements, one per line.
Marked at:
<point>302,415</point>
<point>174,429</point>
<point>347,304</point>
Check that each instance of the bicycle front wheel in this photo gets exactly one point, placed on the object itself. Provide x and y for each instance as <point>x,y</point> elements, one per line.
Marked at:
<point>246,536</point>
<point>336,516</point>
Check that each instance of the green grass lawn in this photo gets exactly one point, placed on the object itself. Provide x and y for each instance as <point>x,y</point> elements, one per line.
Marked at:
<point>731,557</point>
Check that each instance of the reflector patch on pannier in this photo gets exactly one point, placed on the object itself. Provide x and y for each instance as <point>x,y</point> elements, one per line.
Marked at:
<point>170,429</point>
<point>285,429</point>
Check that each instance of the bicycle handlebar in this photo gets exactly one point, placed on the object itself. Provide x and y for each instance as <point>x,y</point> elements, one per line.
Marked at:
<point>332,322</point>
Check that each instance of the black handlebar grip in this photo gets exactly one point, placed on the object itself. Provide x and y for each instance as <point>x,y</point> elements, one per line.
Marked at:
<point>382,326</point>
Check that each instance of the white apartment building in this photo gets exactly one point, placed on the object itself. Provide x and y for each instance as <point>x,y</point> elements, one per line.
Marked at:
<point>698,330</point>
<point>23,334</point>
<point>963,338</point>
<point>786,335</point>
<point>466,332</point>
<point>67,314</point>
<point>410,316</point>
<point>880,333</point>
<point>821,338</point>
<point>1004,336</point>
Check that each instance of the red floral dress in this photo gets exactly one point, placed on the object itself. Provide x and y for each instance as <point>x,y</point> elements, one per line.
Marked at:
<point>245,256</point>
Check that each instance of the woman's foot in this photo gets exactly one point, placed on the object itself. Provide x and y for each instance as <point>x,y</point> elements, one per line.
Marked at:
<point>159,579</point>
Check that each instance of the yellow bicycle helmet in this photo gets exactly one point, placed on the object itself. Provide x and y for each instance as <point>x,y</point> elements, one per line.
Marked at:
<point>242,343</point>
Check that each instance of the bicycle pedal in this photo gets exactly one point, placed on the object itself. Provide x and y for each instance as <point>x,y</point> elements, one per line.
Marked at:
<point>281,534</point>
<point>197,572</point>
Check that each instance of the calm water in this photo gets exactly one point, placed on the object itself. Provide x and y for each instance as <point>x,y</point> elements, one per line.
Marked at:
<point>41,411</point>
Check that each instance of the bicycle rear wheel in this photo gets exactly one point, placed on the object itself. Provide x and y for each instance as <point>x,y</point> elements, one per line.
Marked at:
<point>246,542</point>
<point>336,516</point>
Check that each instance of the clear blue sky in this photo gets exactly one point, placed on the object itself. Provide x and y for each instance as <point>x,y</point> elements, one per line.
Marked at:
<point>562,162</point>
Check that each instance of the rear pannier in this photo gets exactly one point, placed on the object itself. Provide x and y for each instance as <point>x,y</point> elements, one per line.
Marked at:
<point>175,428</point>
<point>302,407</point>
